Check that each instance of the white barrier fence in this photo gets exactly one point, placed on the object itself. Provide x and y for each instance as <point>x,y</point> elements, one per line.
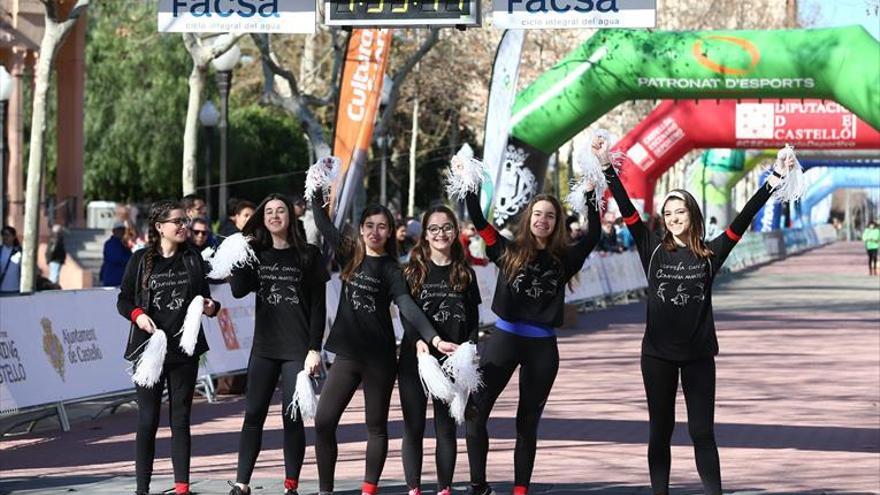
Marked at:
<point>67,345</point>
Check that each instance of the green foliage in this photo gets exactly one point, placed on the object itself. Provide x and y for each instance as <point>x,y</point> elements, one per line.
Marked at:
<point>135,104</point>
<point>263,142</point>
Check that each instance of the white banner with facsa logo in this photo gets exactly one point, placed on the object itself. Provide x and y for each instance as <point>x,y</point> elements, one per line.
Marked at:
<point>236,16</point>
<point>573,14</point>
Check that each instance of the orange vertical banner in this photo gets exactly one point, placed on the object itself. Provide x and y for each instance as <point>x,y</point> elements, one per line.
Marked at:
<point>362,75</point>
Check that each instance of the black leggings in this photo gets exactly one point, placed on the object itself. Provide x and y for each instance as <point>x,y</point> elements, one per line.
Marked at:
<point>872,260</point>
<point>262,377</point>
<point>698,384</point>
<point>538,359</point>
<point>181,381</point>
<point>342,381</point>
<point>414,404</point>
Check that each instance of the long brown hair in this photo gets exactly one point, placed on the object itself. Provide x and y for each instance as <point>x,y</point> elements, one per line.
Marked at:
<point>417,268</point>
<point>256,227</point>
<point>158,213</point>
<point>357,250</point>
<point>694,236</point>
<point>524,247</point>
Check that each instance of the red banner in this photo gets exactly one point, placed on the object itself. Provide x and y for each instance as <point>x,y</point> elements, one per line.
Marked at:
<point>361,85</point>
<point>676,127</point>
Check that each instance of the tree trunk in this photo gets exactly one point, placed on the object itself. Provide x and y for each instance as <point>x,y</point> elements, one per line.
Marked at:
<point>53,35</point>
<point>190,133</point>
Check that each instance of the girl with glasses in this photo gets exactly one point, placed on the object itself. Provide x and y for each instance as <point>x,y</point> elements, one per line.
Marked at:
<point>289,326</point>
<point>362,337</point>
<point>157,287</point>
<point>445,287</point>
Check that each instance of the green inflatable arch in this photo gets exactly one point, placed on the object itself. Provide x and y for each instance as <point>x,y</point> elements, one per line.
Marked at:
<point>616,65</point>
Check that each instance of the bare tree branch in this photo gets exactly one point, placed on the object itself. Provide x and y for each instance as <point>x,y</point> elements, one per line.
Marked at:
<point>398,78</point>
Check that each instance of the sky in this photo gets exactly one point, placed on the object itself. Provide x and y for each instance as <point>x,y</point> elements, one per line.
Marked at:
<point>843,13</point>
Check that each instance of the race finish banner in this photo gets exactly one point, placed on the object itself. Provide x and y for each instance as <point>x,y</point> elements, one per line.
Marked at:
<point>236,16</point>
<point>362,76</point>
<point>573,14</point>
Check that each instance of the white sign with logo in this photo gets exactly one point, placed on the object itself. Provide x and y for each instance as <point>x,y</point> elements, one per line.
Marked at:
<point>236,16</point>
<point>61,345</point>
<point>573,14</point>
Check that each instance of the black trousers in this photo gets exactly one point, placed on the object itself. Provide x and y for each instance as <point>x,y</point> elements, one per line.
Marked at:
<point>698,384</point>
<point>343,379</point>
<point>414,404</point>
<point>180,378</point>
<point>262,378</point>
<point>538,361</point>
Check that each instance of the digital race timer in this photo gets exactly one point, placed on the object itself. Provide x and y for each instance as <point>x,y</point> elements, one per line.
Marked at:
<point>402,12</point>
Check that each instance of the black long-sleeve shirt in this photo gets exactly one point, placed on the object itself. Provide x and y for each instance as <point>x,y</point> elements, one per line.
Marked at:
<point>362,328</point>
<point>172,284</point>
<point>454,314</point>
<point>290,304</point>
<point>536,295</point>
<point>680,325</point>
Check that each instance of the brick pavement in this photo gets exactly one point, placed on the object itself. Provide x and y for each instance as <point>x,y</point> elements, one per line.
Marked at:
<point>797,406</point>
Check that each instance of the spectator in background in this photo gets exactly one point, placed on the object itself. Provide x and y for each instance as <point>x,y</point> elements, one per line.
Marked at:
<point>116,255</point>
<point>712,229</point>
<point>608,239</point>
<point>474,250</point>
<point>404,243</point>
<point>200,234</point>
<point>56,254</point>
<point>299,215</point>
<point>244,210</point>
<point>624,236</point>
<point>10,261</point>
<point>573,228</point>
<point>194,206</point>
<point>227,226</point>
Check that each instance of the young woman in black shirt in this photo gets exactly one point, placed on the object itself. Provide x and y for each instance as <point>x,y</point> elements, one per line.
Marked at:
<point>680,330</point>
<point>289,283</point>
<point>159,282</point>
<point>362,337</point>
<point>445,287</point>
<point>529,299</point>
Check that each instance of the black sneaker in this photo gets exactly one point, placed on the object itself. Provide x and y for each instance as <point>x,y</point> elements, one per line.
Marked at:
<point>290,492</point>
<point>236,490</point>
<point>482,489</point>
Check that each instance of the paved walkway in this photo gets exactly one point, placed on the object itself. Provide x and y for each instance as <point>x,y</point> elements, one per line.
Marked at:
<point>797,406</point>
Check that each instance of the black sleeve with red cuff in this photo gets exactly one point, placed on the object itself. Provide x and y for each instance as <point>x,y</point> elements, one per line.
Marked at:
<point>495,242</point>
<point>725,242</point>
<point>645,240</point>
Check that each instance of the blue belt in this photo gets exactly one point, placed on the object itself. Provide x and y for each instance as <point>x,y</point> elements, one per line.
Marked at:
<point>524,329</point>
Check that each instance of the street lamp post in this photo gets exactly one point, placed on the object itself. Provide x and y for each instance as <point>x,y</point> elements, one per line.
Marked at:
<point>224,65</point>
<point>6,83</point>
<point>208,117</point>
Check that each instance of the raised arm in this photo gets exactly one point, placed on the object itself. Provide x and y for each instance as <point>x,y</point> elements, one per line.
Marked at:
<point>726,241</point>
<point>644,239</point>
<point>243,281</point>
<point>325,225</point>
<point>495,242</point>
<point>577,254</point>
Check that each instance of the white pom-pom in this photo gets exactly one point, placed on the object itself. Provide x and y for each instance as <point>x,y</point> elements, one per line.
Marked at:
<point>794,185</point>
<point>589,169</point>
<point>464,175</point>
<point>207,253</point>
<point>458,405</point>
<point>191,323</point>
<point>463,366</point>
<point>148,367</point>
<point>434,381</point>
<point>320,177</point>
<point>304,399</point>
<point>234,252</point>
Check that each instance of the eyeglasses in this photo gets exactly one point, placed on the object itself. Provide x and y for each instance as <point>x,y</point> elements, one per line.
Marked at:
<point>198,232</point>
<point>435,230</point>
<point>180,221</point>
